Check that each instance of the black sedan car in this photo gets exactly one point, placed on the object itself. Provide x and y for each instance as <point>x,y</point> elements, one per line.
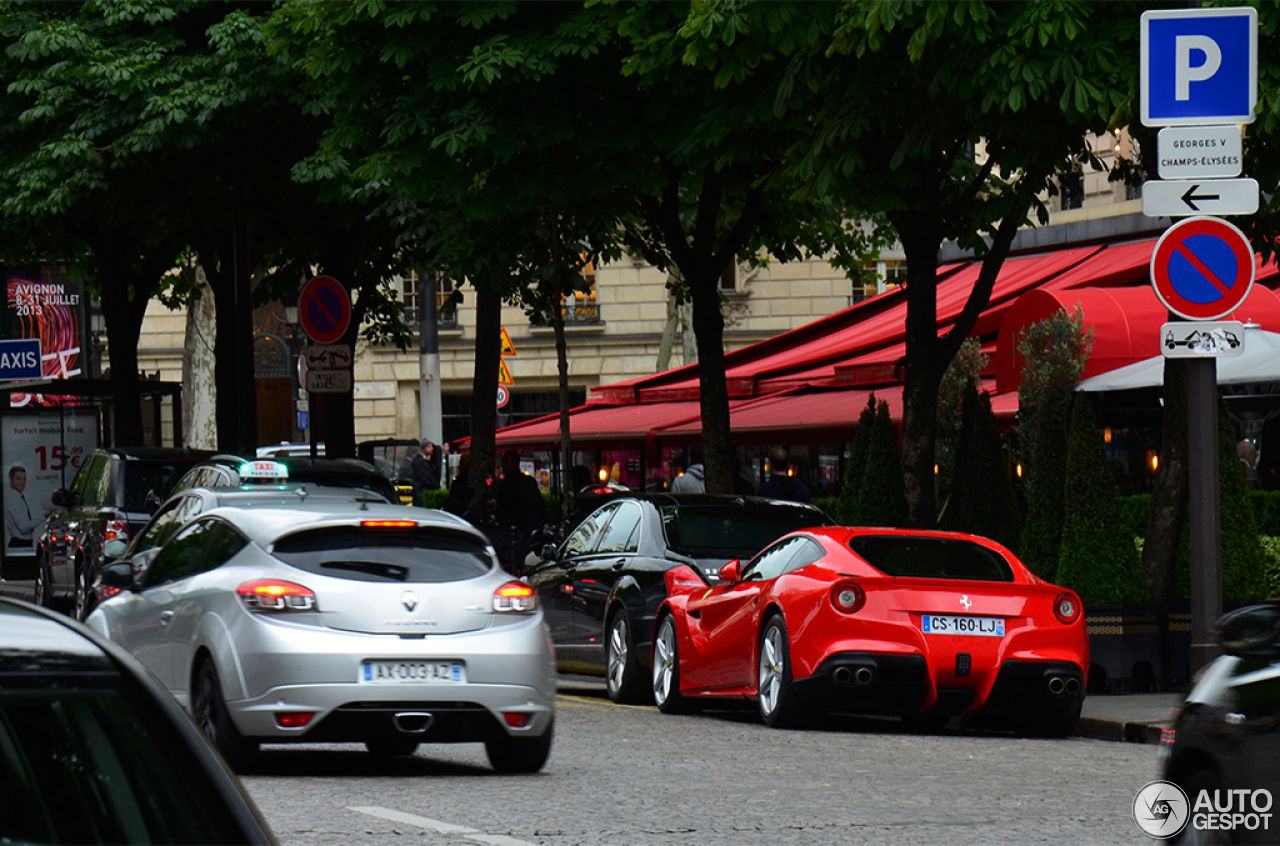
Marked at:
<point>1223,750</point>
<point>93,750</point>
<point>601,588</point>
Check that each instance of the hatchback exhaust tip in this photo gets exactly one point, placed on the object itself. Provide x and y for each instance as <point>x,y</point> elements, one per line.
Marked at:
<point>413,722</point>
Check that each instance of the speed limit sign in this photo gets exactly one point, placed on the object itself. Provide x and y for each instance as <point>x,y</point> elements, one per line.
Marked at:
<point>504,396</point>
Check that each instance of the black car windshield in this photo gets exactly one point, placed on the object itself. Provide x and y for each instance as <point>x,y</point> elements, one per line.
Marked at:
<point>385,554</point>
<point>731,530</point>
<point>144,477</point>
<point>931,558</point>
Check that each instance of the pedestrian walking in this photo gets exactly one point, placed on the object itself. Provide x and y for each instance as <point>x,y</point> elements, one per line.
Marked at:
<point>780,484</point>
<point>520,512</point>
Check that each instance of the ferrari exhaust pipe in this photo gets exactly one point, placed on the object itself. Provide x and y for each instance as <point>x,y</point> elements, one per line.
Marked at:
<point>413,722</point>
<point>1073,686</point>
<point>842,675</point>
<point>1056,685</point>
<point>864,675</point>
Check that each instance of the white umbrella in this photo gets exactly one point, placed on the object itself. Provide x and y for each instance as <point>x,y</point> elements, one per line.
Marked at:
<point>1259,363</point>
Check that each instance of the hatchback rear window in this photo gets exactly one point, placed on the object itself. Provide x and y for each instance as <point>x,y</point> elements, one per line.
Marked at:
<point>931,558</point>
<point>386,555</point>
<point>732,531</point>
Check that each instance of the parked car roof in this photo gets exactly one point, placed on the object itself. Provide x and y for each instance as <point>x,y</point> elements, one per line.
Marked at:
<point>329,472</point>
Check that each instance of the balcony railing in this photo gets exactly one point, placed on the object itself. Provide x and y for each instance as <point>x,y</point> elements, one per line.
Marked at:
<point>411,319</point>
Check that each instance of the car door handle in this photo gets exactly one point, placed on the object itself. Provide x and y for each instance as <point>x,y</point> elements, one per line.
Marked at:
<point>1234,719</point>
<point>620,563</point>
<point>165,616</point>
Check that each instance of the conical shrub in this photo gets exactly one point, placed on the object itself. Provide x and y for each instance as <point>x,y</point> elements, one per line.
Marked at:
<point>882,495</point>
<point>983,501</point>
<point>1046,476</point>
<point>848,503</point>
<point>1098,558</point>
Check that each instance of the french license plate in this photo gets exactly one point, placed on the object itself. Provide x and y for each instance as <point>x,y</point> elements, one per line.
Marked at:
<point>412,672</point>
<point>949,625</point>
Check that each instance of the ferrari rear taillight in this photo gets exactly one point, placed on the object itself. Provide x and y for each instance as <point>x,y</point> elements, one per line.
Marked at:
<point>848,597</point>
<point>1067,607</point>
<point>115,530</point>
<point>276,595</point>
<point>515,598</point>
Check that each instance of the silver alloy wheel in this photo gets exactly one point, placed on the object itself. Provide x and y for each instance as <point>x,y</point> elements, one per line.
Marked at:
<point>82,593</point>
<point>664,669</point>
<point>772,660</point>
<point>617,649</point>
<point>42,586</point>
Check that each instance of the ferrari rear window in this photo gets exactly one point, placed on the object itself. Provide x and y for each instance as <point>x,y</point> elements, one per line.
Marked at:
<point>385,555</point>
<point>931,558</point>
<point>732,531</point>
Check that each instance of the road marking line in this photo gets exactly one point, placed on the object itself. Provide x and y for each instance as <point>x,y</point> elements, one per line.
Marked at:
<point>440,827</point>
<point>602,704</point>
<point>413,819</point>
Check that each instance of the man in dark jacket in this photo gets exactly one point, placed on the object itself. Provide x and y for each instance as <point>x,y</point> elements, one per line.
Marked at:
<point>520,511</point>
<point>781,485</point>
<point>424,471</point>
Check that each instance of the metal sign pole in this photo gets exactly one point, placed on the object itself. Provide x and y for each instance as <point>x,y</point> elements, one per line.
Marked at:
<point>1203,512</point>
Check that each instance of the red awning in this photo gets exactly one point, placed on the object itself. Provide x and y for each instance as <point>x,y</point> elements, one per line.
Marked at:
<point>596,426</point>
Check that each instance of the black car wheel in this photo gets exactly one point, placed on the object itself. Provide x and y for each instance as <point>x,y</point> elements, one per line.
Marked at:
<point>391,746</point>
<point>44,583</point>
<point>83,595</point>
<point>624,677</point>
<point>780,707</point>
<point>1203,779</point>
<point>210,711</point>
<point>509,755</point>
<point>666,670</point>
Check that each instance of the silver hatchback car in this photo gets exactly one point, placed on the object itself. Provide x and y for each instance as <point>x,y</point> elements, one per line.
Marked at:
<point>341,622</point>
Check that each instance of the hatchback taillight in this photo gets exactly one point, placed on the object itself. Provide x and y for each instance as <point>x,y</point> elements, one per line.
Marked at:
<point>515,598</point>
<point>1067,607</point>
<point>115,530</point>
<point>848,597</point>
<point>276,595</point>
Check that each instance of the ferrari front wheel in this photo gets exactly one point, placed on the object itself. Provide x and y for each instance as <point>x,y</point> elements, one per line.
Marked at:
<point>780,706</point>
<point>666,670</point>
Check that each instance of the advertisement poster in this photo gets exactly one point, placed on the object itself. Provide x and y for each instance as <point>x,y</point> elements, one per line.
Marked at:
<point>43,305</point>
<point>42,453</point>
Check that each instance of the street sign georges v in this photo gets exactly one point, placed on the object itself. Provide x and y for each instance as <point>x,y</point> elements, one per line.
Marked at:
<point>1202,268</point>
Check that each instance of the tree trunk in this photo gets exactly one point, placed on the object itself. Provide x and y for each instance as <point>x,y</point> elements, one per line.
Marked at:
<point>567,493</point>
<point>713,390</point>
<point>484,385</point>
<point>227,374</point>
<point>1168,508</point>
<point>124,327</point>
<point>920,242</point>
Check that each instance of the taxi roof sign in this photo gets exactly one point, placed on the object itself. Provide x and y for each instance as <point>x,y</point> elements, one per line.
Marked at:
<point>263,470</point>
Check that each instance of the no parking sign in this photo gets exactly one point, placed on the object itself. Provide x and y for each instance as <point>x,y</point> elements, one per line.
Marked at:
<point>1202,268</point>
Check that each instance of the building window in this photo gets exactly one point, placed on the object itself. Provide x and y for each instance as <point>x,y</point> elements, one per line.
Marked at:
<point>889,273</point>
<point>579,307</point>
<point>445,286</point>
<point>1071,186</point>
<point>729,279</point>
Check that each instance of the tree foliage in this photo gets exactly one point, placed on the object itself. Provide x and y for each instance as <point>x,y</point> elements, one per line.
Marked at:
<point>983,501</point>
<point>881,500</point>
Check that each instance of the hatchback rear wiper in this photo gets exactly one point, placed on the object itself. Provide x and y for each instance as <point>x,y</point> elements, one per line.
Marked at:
<point>390,571</point>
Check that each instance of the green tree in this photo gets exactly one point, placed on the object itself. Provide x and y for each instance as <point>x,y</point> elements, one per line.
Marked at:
<point>983,501</point>
<point>1054,352</point>
<point>964,373</point>
<point>854,470</point>
<point>1098,559</point>
<point>881,500</point>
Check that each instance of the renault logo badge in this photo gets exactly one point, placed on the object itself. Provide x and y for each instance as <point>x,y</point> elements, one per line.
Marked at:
<point>409,601</point>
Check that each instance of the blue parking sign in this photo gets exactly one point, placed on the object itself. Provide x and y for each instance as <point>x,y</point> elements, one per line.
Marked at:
<point>1199,66</point>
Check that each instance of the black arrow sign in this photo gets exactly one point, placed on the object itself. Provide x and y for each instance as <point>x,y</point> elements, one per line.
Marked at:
<point>1191,197</point>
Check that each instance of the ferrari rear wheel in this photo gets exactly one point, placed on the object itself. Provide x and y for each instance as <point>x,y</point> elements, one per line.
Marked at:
<point>666,670</point>
<point>624,677</point>
<point>780,707</point>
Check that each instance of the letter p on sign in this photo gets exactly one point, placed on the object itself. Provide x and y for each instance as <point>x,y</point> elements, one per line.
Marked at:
<point>1199,66</point>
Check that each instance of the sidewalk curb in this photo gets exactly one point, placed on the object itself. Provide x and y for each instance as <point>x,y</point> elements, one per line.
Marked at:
<point>1147,731</point>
